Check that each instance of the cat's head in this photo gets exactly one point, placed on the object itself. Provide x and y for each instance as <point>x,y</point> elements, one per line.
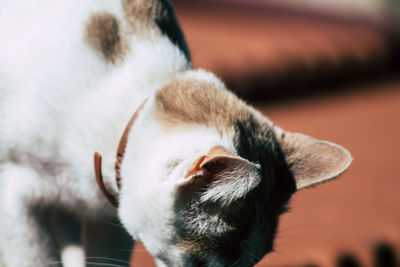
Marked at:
<point>205,176</point>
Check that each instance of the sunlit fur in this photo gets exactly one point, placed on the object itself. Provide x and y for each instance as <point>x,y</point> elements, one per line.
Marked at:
<point>72,73</point>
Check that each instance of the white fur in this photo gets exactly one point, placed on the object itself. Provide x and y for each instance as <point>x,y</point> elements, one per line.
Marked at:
<point>59,104</point>
<point>243,178</point>
<point>172,153</point>
<point>73,256</point>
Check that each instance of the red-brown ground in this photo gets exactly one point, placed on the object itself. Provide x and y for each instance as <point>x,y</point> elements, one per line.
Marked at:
<point>232,40</point>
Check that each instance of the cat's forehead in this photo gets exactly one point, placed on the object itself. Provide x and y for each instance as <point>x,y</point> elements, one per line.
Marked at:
<point>202,99</point>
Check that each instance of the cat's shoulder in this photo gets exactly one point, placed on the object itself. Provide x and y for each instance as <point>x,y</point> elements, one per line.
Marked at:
<point>108,33</point>
<point>158,14</point>
<point>104,25</point>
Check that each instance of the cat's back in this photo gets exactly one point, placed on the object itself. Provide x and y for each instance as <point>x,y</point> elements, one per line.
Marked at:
<point>42,45</point>
<point>56,53</point>
<point>54,42</point>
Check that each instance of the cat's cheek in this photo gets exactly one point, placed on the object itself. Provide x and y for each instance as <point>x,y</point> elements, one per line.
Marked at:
<point>152,230</point>
<point>127,218</point>
<point>146,214</point>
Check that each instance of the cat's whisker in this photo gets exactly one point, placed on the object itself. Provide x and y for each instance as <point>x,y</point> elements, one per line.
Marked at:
<point>53,263</point>
<point>279,255</point>
<point>290,237</point>
<point>105,264</point>
<point>297,249</point>
<point>296,227</point>
<point>139,250</point>
<point>275,261</point>
<point>253,258</point>
<point>108,259</point>
<point>299,226</point>
<point>293,255</point>
<point>127,249</point>
<point>288,245</point>
<point>113,224</point>
<point>233,264</point>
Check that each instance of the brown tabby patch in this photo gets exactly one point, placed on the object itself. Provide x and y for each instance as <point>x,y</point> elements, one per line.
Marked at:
<point>193,101</point>
<point>141,14</point>
<point>103,34</point>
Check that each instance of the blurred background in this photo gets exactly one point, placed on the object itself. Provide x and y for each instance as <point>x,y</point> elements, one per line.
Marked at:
<point>329,69</point>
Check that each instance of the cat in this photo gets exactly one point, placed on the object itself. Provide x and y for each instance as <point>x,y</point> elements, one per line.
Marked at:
<point>202,177</point>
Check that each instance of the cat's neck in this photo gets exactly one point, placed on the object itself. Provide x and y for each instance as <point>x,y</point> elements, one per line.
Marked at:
<point>99,117</point>
<point>117,125</point>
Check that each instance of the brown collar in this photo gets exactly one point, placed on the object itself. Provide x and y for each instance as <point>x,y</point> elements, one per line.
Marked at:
<point>119,157</point>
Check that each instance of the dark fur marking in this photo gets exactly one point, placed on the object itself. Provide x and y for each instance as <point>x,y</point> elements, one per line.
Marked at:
<point>193,101</point>
<point>208,247</point>
<point>138,12</point>
<point>256,142</point>
<point>103,34</point>
<point>169,26</point>
<point>185,100</point>
<point>144,15</point>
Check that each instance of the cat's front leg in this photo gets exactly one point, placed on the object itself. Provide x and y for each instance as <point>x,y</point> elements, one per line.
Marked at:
<point>25,240</point>
<point>106,242</point>
<point>67,230</point>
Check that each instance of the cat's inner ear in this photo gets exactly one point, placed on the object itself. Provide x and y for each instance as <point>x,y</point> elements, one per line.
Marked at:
<point>312,161</point>
<point>222,176</point>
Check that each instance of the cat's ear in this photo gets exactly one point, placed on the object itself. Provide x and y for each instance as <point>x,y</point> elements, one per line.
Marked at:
<point>222,176</point>
<point>310,160</point>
